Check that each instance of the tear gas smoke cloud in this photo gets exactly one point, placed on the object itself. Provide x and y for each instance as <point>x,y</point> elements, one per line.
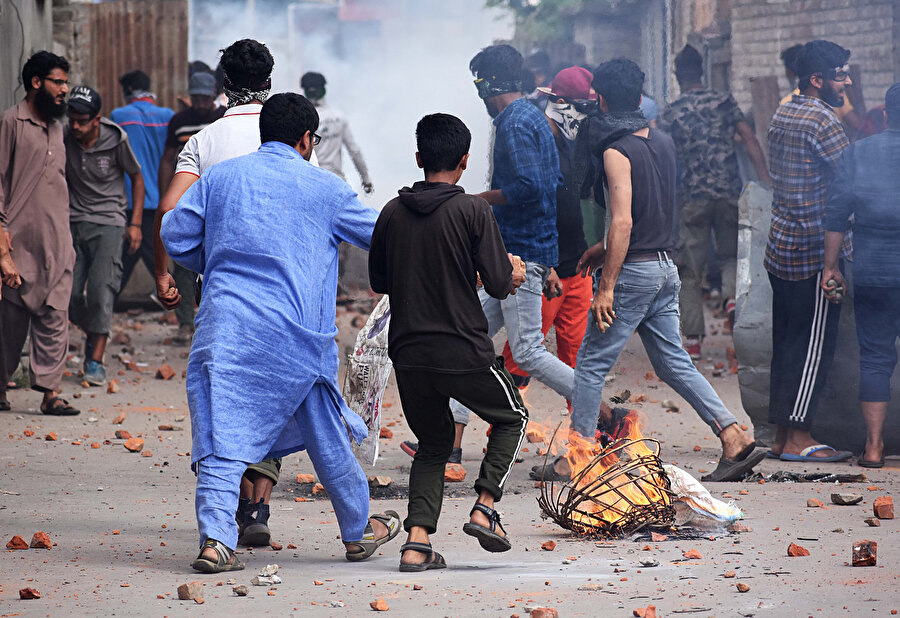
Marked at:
<point>398,61</point>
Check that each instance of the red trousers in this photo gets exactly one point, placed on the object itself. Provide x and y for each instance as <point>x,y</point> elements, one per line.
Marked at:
<point>569,314</point>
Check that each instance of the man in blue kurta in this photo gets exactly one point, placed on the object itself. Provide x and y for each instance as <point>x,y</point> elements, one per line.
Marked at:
<point>264,230</point>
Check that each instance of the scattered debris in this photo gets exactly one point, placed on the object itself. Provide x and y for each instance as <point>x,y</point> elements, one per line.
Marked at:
<point>379,605</point>
<point>535,435</point>
<point>380,481</point>
<point>669,404</point>
<point>873,522</point>
<point>135,445</point>
<point>548,545</point>
<point>620,398</point>
<point>17,542</point>
<point>165,372</point>
<point>544,612</point>
<point>191,592</point>
<point>740,528</point>
<point>884,507</point>
<point>29,593</point>
<point>454,473</point>
<point>647,564</point>
<point>385,433</point>
<point>276,546</point>
<point>40,540</point>
<point>729,574</point>
<point>267,576</point>
<point>783,476</point>
<point>119,419</point>
<point>336,604</point>
<point>112,387</point>
<point>813,503</point>
<point>123,434</point>
<point>692,554</point>
<point>795,550</point>
<point>318,488</point>
<point>742,587</point>
<point>305,478</point>
<point>241,591</point>
<point>865,553</point>
<point>846,499</point>
<point>645,612</point>
<point>51,437</point>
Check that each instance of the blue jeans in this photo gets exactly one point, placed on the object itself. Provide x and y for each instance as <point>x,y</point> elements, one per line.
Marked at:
<point>645,299</point>
<point>521,314</point>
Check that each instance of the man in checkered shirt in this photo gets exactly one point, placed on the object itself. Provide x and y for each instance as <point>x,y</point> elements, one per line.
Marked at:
<point>805,143</point>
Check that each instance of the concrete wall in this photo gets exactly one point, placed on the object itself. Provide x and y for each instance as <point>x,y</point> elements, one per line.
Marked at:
<point>26,26</point>
<point>868,28</point>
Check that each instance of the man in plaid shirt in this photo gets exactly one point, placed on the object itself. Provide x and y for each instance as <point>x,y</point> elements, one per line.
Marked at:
<point>806,140</point>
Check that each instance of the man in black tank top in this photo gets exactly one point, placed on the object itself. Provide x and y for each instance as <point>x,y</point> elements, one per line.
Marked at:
<point>636,281</point>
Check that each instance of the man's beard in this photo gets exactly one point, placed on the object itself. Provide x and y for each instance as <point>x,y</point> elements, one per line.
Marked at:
<point>47,107</point>
<point>492,110</point>
<point>830,95</point>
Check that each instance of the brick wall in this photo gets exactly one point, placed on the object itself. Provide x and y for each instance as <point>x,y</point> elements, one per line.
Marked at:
<point>72,37</point>
<point>761,29</point>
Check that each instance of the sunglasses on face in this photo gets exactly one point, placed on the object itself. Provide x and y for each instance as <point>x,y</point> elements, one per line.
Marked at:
<point>582,106</point>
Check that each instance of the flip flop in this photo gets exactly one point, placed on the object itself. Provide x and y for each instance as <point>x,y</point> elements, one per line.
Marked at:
<point>806,454</point>
<point>734,469</point>
<point>868,463</point>
<point>368,545</point>
<point>770,454</point>
<point>63,409</point>
<point>435,560</point>
<point>488,537</point>
<point>541,472</point>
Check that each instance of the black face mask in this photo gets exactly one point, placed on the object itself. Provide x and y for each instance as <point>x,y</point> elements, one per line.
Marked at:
<point>46,105</point>
<point>492,110</point>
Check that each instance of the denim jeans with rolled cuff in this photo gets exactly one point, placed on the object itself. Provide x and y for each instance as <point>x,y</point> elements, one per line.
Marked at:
<point>645,299</point>
<point>521,314</point>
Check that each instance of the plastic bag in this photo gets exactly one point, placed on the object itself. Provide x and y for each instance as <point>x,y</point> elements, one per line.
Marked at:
<point>368,371</point>
<point>695,505</point>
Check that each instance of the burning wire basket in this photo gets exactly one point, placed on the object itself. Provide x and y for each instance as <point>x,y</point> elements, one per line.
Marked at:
<point>623,489</point>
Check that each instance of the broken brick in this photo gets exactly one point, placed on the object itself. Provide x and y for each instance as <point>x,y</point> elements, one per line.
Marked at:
<point>318,488</point>
<point>95,445</point>
<point>191,592</point>
<point>123,434</point>
<point>692,554</point>
<point>146,454</point>
<point>656,537</point>
<point>544,612</point>
<point>873,522</point>
<point>814,504</point>
<point>742,587</point>
<point>40,540</point>
<point>385,433</point>
<point>112,387</point>
<point>645,612</point>
<point>696,448</point>
<point>28,433</point>
<point>865,553</point>
<point>29,593</point>
<point>135,445</point>
<point>51,437</point>
<point>535,435</point>
<point>548,545</point>
<point>119,419</point>
<point>165,372</point>
<point>884,507</point>
<point>380,481</point>
<point>379,605</point>
<point>305,478</point>
<point>166,427</point>
<point>17,542</point>
<point>454,473</point>
<point>276,546</point>
<point>729,574</point>
<point>795,550</point>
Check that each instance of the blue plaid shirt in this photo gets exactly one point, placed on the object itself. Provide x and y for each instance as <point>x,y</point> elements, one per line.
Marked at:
<point>526,169</point>
<point>805,144</point>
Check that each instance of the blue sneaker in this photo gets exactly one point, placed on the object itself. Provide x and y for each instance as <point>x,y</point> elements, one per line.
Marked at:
<point>88,354</point>
<point>95,373</point>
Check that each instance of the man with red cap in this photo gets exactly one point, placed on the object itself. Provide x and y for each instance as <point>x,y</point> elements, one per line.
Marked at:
<point>567,296</point>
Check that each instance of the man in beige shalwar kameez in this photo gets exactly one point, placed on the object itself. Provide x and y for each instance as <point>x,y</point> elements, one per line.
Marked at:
<point>36,253</point>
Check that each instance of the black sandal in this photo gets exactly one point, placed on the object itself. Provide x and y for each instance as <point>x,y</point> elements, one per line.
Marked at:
<point>224,554</point>
<point>488,538</point>
<point>435,560</point>
<point>63,409</point>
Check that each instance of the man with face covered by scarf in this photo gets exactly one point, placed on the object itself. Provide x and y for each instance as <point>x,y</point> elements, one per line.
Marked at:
<point>36,253</point>
<point>567,297</point>
<point>806,141</point>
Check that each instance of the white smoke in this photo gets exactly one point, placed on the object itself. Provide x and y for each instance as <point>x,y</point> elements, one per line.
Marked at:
<point>408,59</point>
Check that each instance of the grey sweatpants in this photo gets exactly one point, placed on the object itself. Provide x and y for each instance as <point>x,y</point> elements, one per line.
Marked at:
<point>96,276</point>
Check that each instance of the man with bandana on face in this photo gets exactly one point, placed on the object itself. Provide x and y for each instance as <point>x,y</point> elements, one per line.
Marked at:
<point>567,296</point>
<point>806,141</point>
<point>36,254</point>
<point>523,195</point>
<point>247,66</point>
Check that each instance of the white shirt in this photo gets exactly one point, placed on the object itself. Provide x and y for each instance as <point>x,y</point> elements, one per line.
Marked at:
<point>233,135</point>
<point>335,133</point>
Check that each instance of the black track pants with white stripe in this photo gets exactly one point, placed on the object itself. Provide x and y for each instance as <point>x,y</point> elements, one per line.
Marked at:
<point>804,335</point>
<point>425,396</point>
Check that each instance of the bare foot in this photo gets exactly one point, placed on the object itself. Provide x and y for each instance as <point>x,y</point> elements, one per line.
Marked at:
<point>873,452</point>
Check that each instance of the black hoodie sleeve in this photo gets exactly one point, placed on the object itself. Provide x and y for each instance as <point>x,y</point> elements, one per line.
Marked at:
<point>489,253</point>
<point>378,275</point>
